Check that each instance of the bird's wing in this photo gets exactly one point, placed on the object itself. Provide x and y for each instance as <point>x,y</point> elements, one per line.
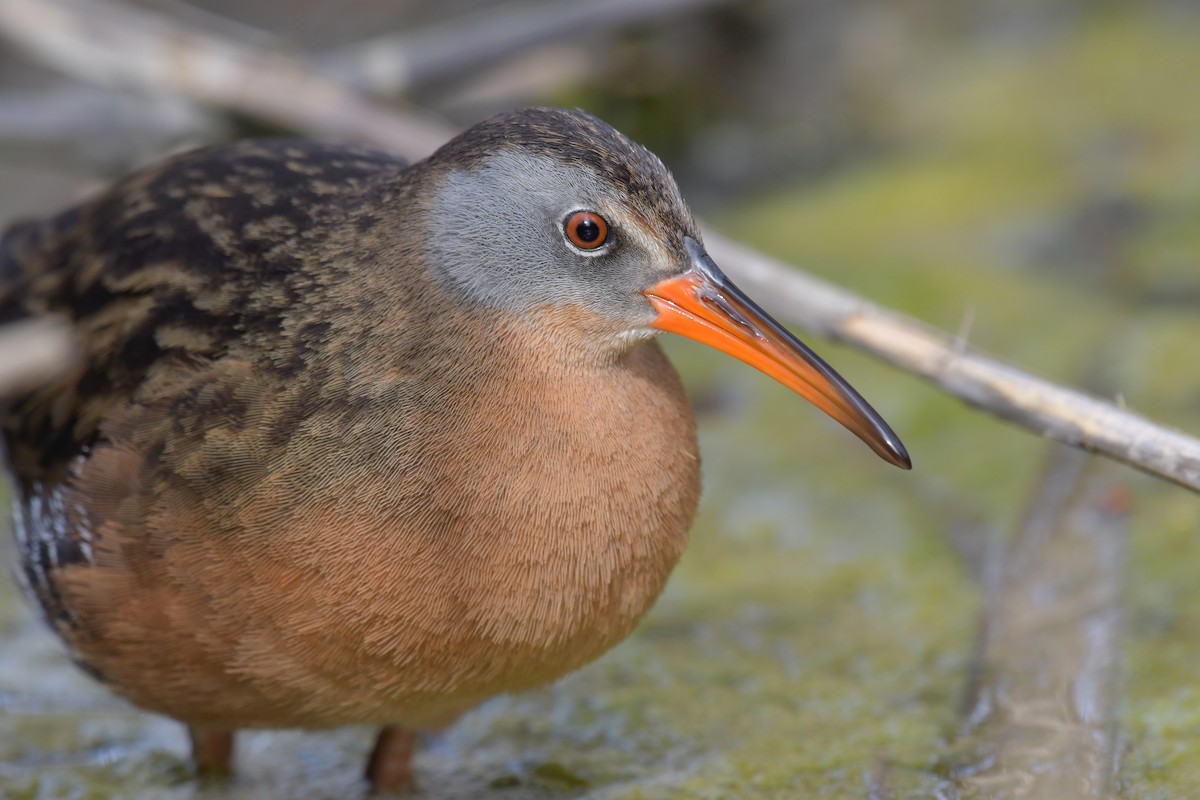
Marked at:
<point>187,285</point>
<point>195,260</point>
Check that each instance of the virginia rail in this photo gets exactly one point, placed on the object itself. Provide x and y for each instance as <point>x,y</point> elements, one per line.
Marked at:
<point>357,441</point>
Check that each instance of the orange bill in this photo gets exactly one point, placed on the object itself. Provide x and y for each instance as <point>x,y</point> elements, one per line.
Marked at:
<point>704,305</point>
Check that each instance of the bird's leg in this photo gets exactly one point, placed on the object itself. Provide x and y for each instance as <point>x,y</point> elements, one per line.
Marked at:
<point>389,768</point>
<point>212,750</point>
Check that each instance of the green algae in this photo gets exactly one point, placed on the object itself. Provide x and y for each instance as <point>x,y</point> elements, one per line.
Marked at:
<point>995,163</point>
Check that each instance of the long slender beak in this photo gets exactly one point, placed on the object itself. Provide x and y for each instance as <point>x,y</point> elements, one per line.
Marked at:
<point>704,305</point>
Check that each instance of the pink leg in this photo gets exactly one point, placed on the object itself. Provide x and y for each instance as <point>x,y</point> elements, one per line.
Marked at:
<point>390,767</point>
<point>212,751</point>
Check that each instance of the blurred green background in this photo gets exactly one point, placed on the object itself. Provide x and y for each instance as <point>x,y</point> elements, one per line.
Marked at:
<point>1025,172</point>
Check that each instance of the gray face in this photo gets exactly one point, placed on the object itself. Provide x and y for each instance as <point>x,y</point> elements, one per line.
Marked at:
<point>498,236</point>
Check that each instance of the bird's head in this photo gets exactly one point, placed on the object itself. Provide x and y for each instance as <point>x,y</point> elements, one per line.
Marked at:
<point>550,207</point>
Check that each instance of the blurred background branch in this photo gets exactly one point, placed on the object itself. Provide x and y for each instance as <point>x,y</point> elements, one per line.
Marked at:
<point>104,124</point>
<point>393,64</point>
<point>115,45</point>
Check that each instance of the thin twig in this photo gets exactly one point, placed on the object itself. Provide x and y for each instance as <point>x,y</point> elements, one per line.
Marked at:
<point>392,64</point>
<point>107,43</point>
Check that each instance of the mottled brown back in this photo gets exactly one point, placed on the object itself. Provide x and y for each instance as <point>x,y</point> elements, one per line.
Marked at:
<point>206,254</point>
<point>213,255</point>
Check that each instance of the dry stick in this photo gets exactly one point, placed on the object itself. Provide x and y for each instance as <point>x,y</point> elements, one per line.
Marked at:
<point>393,64</point>
<point>134,49</point>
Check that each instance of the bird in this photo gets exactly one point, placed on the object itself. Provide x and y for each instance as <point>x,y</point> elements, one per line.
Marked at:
<point>353,440</point>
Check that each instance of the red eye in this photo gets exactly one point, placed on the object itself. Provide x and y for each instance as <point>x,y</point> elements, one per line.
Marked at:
<point>586,230</point>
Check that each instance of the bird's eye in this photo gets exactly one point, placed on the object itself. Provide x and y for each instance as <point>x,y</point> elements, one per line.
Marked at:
<point>586,230</point>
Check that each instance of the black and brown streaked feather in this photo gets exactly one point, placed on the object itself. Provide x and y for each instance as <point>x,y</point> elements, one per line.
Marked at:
<point>190,287</point>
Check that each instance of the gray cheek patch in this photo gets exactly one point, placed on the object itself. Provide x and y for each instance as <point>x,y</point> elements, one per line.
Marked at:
<point>493,233</point>
<point>496,236</point>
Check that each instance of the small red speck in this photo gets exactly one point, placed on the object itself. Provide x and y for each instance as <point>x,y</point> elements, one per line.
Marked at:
<point>1117,501</point>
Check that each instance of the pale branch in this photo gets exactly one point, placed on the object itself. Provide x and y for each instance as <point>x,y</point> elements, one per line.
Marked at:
<point>100,123</point>
<point>395,63</point>
<point>135,49</point>
<point>114,45</point>
<point>1041,406</point>
<point>33,351</point>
